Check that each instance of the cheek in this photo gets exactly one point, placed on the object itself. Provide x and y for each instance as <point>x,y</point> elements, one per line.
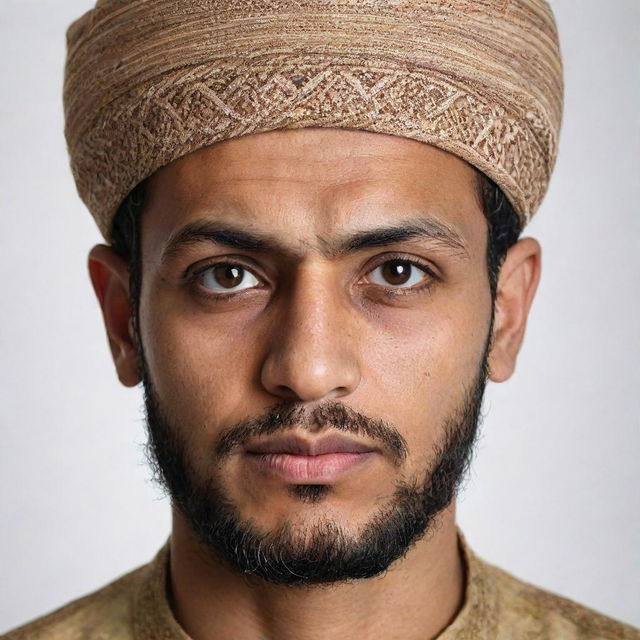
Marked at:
<point>420,365</point>
<point>203,368</point>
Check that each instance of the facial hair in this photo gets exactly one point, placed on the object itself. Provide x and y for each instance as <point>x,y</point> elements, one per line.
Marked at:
<point>323,552</point>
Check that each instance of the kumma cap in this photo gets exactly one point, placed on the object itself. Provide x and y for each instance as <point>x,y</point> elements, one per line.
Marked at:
<point>149,81</point>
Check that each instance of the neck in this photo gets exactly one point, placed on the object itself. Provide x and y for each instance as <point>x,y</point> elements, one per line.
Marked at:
<point>417,598</point>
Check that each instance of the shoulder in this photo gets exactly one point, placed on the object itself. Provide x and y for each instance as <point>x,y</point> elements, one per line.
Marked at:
<point>540,614</point>
<point>103,615</point>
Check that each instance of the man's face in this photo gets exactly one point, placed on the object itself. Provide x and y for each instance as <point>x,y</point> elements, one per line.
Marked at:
<point>332,275</point>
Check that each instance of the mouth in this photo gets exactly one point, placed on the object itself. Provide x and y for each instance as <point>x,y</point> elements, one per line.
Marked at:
<point>298,460</point>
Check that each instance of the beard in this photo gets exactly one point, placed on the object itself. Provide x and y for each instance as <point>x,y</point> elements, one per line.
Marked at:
<point>323,552</point>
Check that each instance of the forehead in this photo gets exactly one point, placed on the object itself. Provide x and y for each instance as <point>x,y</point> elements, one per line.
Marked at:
<point>313,182</point>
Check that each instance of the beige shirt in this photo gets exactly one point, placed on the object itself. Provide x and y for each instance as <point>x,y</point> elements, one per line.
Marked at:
<point>497,606</point>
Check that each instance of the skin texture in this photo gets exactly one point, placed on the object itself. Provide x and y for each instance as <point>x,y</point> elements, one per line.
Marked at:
<point>318,325</point>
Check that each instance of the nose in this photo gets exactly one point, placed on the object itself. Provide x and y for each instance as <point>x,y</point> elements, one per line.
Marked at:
<point>312,347</point>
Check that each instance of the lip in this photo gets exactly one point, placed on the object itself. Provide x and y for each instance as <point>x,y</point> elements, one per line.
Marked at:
<point>298,460</point>
<point>295,445</point>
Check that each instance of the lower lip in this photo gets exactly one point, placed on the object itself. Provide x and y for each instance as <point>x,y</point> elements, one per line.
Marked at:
<point>324,468</point>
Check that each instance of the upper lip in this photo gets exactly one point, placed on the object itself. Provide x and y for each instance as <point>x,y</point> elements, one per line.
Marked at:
<point>295,445</point>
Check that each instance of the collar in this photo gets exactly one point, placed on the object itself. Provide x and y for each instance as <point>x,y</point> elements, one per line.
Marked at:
<point>476,620</point>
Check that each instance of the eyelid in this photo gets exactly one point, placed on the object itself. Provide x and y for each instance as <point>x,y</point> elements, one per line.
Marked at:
<point>421,263</point>
<point>195,270</point>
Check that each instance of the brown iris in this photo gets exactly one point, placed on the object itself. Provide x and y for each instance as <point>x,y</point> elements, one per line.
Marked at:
<point>396,272</point>
<point>228,275</point>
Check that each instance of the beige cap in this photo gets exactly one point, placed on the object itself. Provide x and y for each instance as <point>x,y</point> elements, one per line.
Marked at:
<point>148,81</point>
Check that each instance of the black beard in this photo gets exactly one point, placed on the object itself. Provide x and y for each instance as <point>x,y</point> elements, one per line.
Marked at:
<point>322,553</point>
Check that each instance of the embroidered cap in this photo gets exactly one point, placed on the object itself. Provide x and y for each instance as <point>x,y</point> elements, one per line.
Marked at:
<point>149,81</point>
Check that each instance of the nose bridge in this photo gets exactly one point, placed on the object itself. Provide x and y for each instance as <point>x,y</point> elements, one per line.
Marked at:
<point>313,308</point>
<point>312,353</point>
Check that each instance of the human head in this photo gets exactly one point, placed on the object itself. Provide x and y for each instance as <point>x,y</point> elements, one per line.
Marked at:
<point>309,141</point>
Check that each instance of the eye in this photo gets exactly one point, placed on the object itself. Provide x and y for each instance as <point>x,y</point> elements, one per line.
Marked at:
<point>400,274</point>
<point>225,277</point>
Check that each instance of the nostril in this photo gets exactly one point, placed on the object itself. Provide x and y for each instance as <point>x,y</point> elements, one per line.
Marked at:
<point>286,392</point>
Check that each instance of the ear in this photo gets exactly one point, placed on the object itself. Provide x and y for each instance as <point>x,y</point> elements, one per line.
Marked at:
<point>516,288</point>
<point>110,278</point>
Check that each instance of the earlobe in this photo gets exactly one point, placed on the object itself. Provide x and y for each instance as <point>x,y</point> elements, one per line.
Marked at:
<point>517,284</point>
<point>110,278</point>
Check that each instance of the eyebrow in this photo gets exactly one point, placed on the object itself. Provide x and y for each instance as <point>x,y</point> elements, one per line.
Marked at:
<point>234,237</point>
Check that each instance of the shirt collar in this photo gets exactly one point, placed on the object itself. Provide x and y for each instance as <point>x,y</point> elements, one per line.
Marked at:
<point>476,620</point>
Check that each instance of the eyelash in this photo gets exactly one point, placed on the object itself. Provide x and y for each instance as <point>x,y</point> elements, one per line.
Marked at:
<point>192,276</point>
<point>423,266</point>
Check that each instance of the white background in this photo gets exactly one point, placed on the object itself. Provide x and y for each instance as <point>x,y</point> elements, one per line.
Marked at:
<point>554,493</point>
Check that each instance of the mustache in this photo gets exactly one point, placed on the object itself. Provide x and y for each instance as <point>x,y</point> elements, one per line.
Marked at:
<point>331,414</point>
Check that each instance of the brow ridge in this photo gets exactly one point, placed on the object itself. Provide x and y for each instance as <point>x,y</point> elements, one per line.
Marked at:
<point>234,237</point>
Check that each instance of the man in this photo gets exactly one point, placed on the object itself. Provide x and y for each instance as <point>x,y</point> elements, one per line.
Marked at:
<point>313,211</point>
